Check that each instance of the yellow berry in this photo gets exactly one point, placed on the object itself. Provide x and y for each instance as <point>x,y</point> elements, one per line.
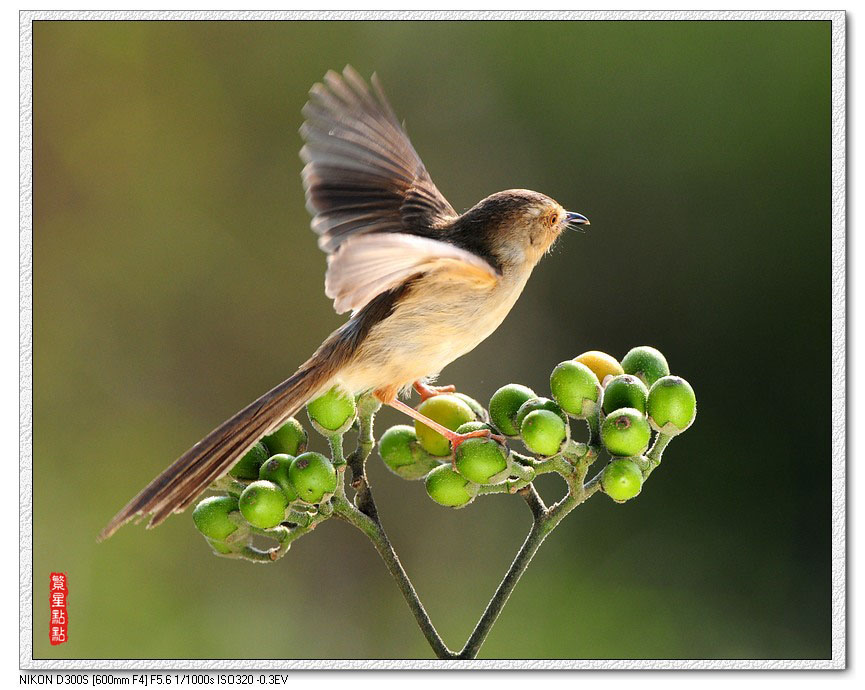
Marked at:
<point>601,363</point>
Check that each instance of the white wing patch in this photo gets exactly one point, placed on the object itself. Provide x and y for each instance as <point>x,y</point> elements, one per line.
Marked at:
<point>365,266</point>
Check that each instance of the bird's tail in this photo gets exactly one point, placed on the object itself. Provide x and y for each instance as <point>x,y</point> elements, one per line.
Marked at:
<point>209,459</point>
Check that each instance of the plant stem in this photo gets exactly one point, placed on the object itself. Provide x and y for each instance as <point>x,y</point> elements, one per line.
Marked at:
<point>363,515</point>
<point>536,503</point>
<point>373,529</point>
<point>524,556</point>
<point>545,521</point>
<point>594,423</point>
<point>662,440</point>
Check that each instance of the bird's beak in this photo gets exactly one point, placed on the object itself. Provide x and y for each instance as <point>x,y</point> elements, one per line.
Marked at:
<point>572,218</point>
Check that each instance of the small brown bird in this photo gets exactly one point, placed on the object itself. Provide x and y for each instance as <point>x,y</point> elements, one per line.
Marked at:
<point>424,284</point>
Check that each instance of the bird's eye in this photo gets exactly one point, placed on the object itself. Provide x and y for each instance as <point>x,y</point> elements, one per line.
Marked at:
<point>552,219</point>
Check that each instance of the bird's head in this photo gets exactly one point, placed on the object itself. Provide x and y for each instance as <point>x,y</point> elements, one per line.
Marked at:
<point>516,227</point>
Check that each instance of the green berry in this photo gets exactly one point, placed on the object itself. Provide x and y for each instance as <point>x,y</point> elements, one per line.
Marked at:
<point>543,432</point>
<point>576,388</point>
<point>672,405</point>
<point>333,412</point>
<point>475,425</point>
<point>276,470</point>
<point>211,516</point>
<point>263,504</point>
<point>291,438</point>
<point>403,455</point>
<point>395,446</point>
<point>477,408</point>
<point>505,403</point>
<point>621,479</point>
<point>646,363</point>
<point>481,460</point>
<point>449,488</point>
<point>625,391</point>
<point>313,476</point>
<point>449,411</point>
<point>625,432</point>
<point>539,404</point>
<point>247,467</point>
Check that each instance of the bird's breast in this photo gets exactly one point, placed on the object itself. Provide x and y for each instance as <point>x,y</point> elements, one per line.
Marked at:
<point>438,320</point>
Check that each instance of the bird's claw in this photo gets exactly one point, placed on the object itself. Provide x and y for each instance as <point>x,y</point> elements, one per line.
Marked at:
<point>458,439</point>
<point>427,391</point>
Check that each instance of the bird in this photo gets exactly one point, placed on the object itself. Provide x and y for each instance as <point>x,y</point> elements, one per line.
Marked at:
<point>424,284</point>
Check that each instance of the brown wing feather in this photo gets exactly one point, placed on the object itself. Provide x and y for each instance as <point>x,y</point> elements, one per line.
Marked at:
<point>362,174</point>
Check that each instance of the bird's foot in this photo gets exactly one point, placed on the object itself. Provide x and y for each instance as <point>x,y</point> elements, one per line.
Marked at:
<point>455,438</point>
<point>426,391</point>
<point>458,439</point>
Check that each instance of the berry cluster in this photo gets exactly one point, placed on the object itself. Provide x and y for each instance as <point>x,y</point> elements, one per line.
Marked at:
<point>280,490</point>
<point>620,402</point>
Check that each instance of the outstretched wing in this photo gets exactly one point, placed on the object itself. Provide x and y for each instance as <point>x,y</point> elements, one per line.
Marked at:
<point>369,265</point>
<point>362,174</point>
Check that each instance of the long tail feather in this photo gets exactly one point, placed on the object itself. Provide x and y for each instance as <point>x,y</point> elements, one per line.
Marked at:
<point>212,457</point>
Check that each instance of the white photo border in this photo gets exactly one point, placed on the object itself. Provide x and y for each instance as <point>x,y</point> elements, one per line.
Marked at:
<point>839,328</point>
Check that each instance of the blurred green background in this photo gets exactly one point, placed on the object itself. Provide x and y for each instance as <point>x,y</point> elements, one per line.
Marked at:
<point>176,279</point>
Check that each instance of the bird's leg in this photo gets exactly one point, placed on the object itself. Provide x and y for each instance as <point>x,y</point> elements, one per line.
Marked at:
<point>427,391</point>
<point>452,436</point>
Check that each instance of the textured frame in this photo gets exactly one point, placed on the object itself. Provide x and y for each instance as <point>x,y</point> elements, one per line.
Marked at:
<point>839,326</point>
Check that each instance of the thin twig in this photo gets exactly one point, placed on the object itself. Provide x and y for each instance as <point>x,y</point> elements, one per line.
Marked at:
<point>536,503</point>
<point>524,556</point>
<point>541,527</point>
<point>662,440</point>
<point>367,407</point>
<point>373,530</point>
<point>364,516</point>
